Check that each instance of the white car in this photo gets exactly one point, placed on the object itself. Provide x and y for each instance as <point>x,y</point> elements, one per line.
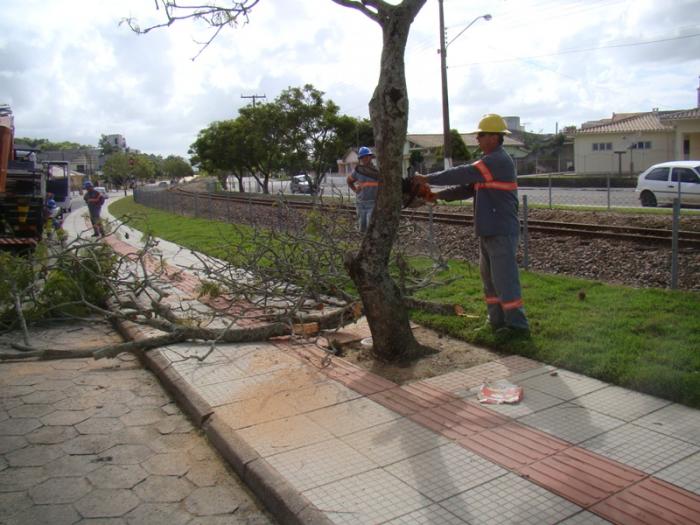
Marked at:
<point>102,190</point>
<point>658,184</point>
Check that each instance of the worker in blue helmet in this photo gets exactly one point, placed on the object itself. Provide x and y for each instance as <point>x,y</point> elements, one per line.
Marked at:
<point>364,182</point>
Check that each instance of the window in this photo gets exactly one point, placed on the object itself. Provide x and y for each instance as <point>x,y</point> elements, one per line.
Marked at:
<point>687,175</point>
<point>642,145</point>
<point>602,146</point>
<point>658,174</point>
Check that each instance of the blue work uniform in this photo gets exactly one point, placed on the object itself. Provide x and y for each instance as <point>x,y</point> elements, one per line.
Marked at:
<point>366,178</point>
<point>492,182</point>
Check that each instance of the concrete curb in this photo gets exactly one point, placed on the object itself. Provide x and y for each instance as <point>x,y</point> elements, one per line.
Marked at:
<point>276,493</point>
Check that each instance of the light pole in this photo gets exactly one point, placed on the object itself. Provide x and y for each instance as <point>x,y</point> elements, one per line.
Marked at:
<point>446,143</point>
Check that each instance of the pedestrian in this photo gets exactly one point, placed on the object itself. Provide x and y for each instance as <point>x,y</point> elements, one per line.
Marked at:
<point>492,182</point>
<point>364,181</point>
<point>94,200</point>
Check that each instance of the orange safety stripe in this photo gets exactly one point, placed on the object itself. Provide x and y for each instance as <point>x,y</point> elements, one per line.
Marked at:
<point>492,300</point>
<point>510,305</point>
<point>484,170</point>
<point>495,185</point>
<point>367,184</point>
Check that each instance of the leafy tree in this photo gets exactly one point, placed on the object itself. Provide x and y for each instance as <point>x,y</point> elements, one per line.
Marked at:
<point>47,145</point>
<point>116,169</point>
<point>267,140</point>
<point>175,168</point>
<point>222,149</point>
<point>460,152</point>
<point>313,127</point>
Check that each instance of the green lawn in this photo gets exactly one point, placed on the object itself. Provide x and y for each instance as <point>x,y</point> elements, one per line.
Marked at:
<point>644,339</point>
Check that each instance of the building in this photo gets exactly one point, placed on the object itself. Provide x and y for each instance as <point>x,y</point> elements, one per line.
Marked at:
<point>629,143</point>
<point>117,141</point>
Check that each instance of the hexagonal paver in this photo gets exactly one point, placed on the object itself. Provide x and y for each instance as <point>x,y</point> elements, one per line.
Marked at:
<point>75,403</point>
<point>3,463</point>
<point>3,414</point>
<point>175,424</point>
<point>54,384</point>
<point>127,454</point>
<point>43,397</point>
<point>106,503</point>
<point>159,514</point>
<point>68,466</point>
<point>22,478</point>
<point>111,410</point>
<point>88,444</point>
<point>163,489</point>
<point>34,456</point>
<point>100,425</point>
<point>28,380</point>
<point>207,473</point>
<point>16,391</point>
<point>37,410</point>
<point>208,501</point>
<point>12,503</point>
<point>63,514</point>
<point>117,476</point>
<point>51,435</point>
<point>136,435</point>
<point>18,426</point>
<point>167,464</point>
<point>60,490</point>
<point>174,442</point>
<point>151,400</point>
<point>10,443</point>
<point>66,417</point>
<point>142,416</point>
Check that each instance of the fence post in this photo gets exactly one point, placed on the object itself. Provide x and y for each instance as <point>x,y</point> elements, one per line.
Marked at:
<point>549,177</point>
<point>526,236</point>
<point>674,243</point>
<point>196,204</point>
<point>608,184</point>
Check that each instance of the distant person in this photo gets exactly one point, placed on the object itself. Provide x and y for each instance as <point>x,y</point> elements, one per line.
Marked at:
<point>364,181</point>
<point>492,182</point>
<point>94,200</point>
<point>52,212</point>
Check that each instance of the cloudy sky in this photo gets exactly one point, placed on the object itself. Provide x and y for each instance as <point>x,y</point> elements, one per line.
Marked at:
<point>70,71</point>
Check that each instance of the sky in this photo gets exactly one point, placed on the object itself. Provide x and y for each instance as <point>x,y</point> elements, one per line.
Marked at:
<point>71,72</point>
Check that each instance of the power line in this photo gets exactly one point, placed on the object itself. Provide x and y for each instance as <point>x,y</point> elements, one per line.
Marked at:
<point>582,50</point>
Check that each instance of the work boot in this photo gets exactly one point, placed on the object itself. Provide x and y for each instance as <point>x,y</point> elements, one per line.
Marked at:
<point>512,332</point>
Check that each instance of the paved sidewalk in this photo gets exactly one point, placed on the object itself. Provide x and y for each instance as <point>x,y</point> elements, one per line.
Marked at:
<point>327,442</point>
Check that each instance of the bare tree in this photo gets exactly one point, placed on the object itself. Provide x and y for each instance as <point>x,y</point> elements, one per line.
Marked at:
<point>383,302</point>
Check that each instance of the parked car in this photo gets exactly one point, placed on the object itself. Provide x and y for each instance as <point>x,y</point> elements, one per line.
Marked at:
<point>658,185</point>
<point>102,190</point>
<point>301,184</point>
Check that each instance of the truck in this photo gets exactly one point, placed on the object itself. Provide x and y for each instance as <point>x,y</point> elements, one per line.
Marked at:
<point>22,190</point>
<point>58,183</point>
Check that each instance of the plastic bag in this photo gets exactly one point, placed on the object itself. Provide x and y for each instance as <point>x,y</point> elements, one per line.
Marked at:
<point>499,392</point>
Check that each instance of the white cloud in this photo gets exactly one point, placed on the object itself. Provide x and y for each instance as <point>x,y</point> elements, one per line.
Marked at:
<point>71,72</point>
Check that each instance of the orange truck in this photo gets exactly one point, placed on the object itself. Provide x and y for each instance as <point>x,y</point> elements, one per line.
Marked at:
<point>22,191</point>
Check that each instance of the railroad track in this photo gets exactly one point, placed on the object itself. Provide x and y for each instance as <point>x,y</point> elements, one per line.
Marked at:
<point>687,239</point>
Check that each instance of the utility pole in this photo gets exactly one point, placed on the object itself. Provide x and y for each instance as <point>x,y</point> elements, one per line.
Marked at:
<point>446,142</point>
<point>254,97</point>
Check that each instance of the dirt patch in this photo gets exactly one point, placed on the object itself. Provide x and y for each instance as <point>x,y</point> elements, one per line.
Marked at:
<point>450,355</point>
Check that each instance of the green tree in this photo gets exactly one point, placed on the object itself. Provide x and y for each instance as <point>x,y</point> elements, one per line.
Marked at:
<point>176,168</point>
<point>116,169</point>
<point>460,152</point>
<point>222,149</point>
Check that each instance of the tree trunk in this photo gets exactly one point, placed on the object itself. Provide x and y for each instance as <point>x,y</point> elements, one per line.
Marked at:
<point>386,312</point>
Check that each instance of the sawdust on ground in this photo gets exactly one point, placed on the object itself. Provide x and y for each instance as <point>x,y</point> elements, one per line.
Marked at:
<point>451,355</point>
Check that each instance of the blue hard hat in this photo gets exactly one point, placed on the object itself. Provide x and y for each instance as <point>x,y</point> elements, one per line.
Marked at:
<point>87,184</point>
<point>363,152</point>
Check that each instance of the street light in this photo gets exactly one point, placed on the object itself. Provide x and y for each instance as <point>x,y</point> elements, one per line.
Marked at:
<point>446,143</point>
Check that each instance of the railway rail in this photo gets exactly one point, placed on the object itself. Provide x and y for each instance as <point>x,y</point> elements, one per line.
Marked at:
<point>686,239</point>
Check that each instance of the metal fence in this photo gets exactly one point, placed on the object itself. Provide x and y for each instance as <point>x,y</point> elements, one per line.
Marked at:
<point>671,264</point>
